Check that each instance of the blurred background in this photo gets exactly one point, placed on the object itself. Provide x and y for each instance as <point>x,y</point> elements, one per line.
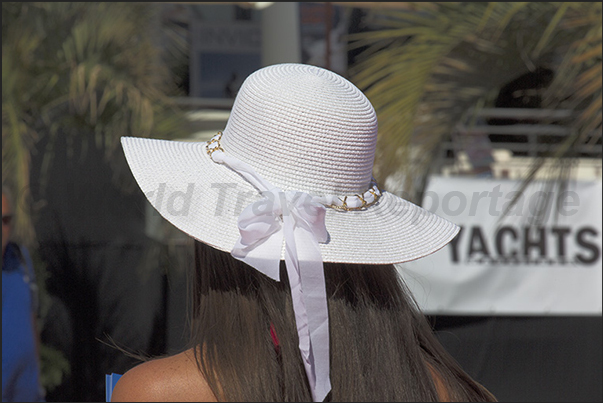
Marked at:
<point>489,114</point>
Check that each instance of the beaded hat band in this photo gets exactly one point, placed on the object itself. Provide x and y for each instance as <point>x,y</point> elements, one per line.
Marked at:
<point>346,203</point>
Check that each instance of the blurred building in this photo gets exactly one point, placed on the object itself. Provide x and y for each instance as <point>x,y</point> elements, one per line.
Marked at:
<point>230,40</point>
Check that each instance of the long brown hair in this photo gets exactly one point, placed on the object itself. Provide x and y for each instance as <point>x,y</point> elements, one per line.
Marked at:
<point>382,347</point>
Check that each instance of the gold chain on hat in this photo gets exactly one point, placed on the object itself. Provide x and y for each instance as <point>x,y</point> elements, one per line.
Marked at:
<point>214,144</point>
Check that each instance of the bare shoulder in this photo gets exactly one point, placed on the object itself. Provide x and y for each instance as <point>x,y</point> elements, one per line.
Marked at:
<point>175,378</point>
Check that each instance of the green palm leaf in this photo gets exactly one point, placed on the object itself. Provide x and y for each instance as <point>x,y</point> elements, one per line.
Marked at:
<point>75,69</point>
<point>426,67</point>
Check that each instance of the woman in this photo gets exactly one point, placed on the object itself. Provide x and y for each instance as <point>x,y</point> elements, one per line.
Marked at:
<point>294,296</point>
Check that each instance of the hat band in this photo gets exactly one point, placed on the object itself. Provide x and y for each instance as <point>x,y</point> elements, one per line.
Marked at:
<point>346,203</point>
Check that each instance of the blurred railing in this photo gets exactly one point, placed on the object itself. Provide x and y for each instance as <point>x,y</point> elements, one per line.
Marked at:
<point>525,132</point>
<point>506,141</point>
<point>194,103</point>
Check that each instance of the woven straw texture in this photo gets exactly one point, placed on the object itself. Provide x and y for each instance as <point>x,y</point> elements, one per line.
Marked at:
<point>318,125</point>
<point>302,128</point>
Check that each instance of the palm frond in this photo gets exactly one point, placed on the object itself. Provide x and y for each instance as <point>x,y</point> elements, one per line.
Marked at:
<point>79,69</point>
<point>426,66</point>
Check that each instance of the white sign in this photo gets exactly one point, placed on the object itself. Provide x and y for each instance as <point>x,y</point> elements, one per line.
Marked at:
<point>543,257</point>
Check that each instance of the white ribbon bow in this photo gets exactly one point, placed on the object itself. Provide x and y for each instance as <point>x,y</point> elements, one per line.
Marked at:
<point>299,220</point>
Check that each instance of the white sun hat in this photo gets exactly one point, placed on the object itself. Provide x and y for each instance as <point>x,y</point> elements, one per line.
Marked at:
<point>290,177</point>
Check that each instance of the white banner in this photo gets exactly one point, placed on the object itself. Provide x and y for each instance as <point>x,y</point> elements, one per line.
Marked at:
<point>518,264</point>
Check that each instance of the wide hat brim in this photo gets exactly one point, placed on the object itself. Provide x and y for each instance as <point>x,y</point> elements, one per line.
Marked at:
<point>204,199</point>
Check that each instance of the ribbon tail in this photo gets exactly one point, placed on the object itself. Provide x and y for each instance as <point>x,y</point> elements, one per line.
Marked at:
<point>308,292</point>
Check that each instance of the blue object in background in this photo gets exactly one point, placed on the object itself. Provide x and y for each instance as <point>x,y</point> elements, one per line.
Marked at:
<point>20,366</point>
<point>110,381</point>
